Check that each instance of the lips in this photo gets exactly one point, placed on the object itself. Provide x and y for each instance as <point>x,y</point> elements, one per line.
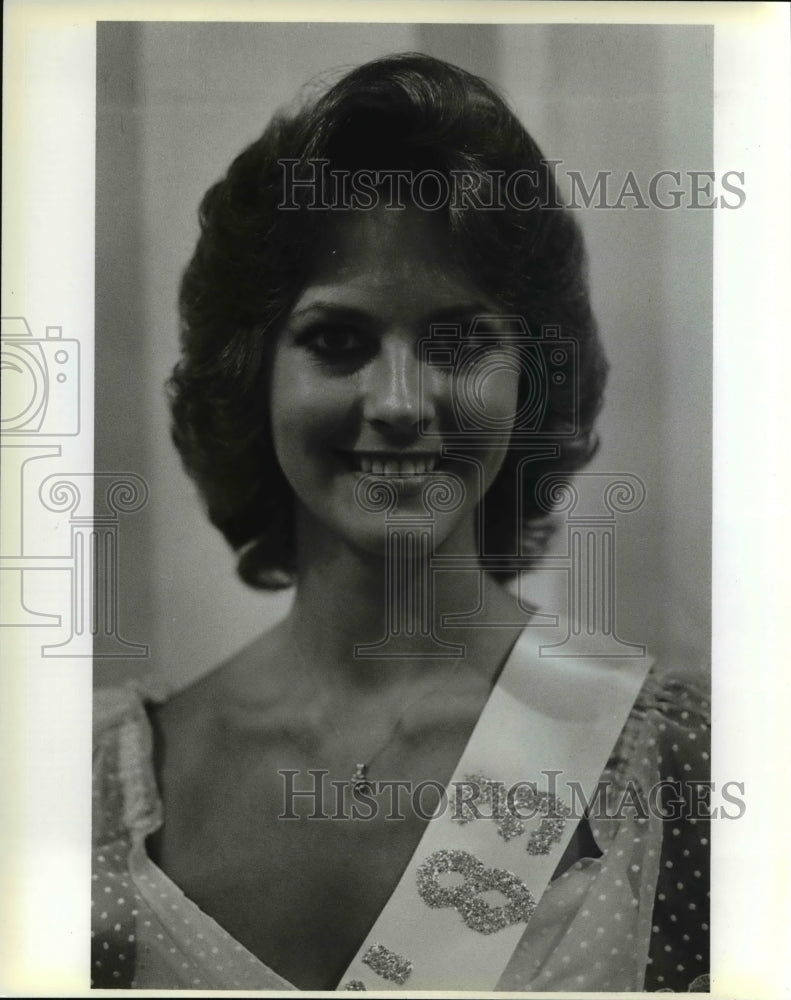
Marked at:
<point>388,464</point>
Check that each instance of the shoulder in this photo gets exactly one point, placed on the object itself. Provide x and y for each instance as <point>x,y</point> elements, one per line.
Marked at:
<point>667,733</point>
<point>673,717</point>
<point>259,675</point>
<point>111,708</point>
<point>120,717</point>
<point>674,714</point>
<point>682,699</point>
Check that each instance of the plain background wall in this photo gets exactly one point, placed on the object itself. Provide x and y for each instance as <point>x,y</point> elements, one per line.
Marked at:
<point>176,102</point>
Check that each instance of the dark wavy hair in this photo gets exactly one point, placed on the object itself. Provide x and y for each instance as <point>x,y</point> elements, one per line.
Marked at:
<point>252,260</point>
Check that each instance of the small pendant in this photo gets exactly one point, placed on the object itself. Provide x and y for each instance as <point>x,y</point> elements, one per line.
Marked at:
<point>359,779</point>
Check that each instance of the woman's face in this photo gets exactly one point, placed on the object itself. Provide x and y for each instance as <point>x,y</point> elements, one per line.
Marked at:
<point>363,394</point>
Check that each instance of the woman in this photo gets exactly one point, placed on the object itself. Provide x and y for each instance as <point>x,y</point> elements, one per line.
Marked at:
<point>369,412</point>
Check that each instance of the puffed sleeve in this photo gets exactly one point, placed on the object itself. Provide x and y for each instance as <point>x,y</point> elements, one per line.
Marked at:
<point>678,714</point>
<point>125,805</point>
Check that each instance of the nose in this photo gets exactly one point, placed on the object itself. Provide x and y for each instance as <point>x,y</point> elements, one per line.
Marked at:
<point>399,397</point>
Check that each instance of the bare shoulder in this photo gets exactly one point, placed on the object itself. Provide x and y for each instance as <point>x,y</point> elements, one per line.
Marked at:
<point>254,676</point>
<point>201,736</point>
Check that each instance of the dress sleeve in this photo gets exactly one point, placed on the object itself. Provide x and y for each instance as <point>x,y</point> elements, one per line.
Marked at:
<point>125,809</point>
<point>112,708</point>
<point>678,717</point>
<point>125,797</point>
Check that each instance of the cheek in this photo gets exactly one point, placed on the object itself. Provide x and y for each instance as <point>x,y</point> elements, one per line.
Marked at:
<point>486,398</point>
<point>501,394</point>
<point>491,403</point>
<point>307,411</point>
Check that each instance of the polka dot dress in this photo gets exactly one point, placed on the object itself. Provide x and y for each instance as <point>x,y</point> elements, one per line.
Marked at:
<point>680,924</point>
<point>638,917</point>
<point>634,918</point>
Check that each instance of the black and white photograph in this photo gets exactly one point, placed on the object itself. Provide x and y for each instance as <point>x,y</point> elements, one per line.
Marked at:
<point>378,538</point>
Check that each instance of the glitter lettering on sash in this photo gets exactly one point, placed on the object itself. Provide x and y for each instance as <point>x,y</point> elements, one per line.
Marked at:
<point>466,899</point>
<point>509,808</point>
<point>388,964</point>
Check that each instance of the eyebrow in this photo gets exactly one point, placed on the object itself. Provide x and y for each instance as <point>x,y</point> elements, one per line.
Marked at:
<point>347,312</point>
<point>447,314</point>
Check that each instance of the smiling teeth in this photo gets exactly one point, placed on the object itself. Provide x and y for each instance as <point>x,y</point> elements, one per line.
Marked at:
<point>416,466</point>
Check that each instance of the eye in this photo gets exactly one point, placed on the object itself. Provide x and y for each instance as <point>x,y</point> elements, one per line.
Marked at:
<point>337,344</point>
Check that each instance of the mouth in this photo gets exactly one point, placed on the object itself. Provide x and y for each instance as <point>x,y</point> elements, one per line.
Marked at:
<point>379,463</point>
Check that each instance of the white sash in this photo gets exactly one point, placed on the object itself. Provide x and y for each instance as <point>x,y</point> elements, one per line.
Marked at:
<point>545,714</point>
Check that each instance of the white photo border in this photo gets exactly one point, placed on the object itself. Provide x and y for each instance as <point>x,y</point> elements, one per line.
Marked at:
<point>48,263</point>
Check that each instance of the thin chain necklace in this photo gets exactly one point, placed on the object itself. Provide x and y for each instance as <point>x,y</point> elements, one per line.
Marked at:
<point>359,780</point>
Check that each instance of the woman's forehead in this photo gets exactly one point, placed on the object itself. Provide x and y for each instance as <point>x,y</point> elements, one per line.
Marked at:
<point>385,243</point>
<point>392,264</point>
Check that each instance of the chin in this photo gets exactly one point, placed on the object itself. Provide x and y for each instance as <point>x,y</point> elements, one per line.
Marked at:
<point>342,522</point>
<point>415,540</point>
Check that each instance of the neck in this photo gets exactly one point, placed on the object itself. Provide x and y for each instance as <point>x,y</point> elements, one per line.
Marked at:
<point>342,602</point>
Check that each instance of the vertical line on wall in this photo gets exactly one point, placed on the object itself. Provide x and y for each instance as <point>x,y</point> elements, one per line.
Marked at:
<point>120,443</point>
